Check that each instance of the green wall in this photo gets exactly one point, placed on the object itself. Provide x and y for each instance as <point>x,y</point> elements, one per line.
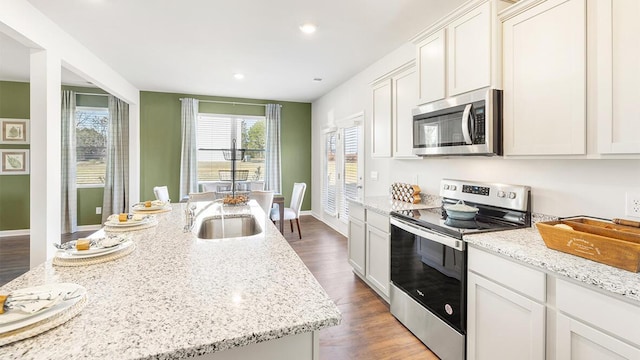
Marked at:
<point>15,189</point>
<point>160,140</point>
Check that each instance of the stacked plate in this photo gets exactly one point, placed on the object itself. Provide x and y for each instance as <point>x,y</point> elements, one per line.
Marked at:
<point>31,311</point>
<point>98,247</point>
<point>155,205</point>
<point>133,222</point>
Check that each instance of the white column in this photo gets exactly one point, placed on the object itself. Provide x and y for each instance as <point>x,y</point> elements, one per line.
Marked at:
<point>45,200</point>
<point>134,153</point>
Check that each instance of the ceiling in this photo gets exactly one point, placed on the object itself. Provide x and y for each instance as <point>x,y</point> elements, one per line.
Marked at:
<point>196,46</point>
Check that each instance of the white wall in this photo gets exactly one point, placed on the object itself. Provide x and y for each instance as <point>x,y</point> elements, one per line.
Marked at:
<point>594,187</point>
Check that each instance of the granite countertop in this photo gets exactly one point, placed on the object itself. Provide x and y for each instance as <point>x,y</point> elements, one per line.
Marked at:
<point>526,245</point>
<point>177,296</point>
<point>384,205</point>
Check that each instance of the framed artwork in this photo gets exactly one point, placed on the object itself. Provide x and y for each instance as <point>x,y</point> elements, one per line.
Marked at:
<point>14,131</point>
<point>14,162</point>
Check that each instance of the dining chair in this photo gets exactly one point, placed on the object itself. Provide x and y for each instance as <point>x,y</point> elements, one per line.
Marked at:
<point>293,211</point>
<point>162,193</point>
<point>264,199</point>
<point>202,196</point>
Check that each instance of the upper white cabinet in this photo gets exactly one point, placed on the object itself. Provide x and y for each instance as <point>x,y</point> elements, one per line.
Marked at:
<point>469,51</point>
<point>544,72</point>
<point>381,119</point>
<point>618,76</point>
<point>431,59</point>
<point>460,53</point>
<point>405,98</point>
<point>394,97</point>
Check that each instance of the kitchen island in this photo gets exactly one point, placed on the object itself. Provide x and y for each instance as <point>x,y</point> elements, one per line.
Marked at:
<point>177,296</point>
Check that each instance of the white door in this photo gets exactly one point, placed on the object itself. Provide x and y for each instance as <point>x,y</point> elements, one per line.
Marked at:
<point>430,54</point>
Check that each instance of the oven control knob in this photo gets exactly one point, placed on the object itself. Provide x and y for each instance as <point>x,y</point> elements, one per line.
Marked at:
<point>512,195</point>
<point>500,194</point>
<point>453,188</point>
<point>446,186</point>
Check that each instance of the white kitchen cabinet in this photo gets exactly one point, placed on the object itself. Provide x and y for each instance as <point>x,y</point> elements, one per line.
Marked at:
<point>381,119</point>
<point>378,268</point>
<point>544,73</point>
<point>502,322</point>
<point>469,51</point>
<point>356,238</point>
<point>461,52</point>
<point>431,60</point>
<point>618,76</point>
<point>575,340</point>
<point>405,98</point>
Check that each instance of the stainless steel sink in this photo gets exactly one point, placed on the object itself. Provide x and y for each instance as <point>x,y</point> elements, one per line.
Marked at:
<point>215,227</point>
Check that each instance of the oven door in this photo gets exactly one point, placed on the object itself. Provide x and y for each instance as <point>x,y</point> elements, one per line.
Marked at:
<point>431,269</point>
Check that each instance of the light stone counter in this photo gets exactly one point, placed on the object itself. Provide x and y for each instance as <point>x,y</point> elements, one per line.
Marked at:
<point>384,205</point>
<point>177,296</point>
<point>526,245</point>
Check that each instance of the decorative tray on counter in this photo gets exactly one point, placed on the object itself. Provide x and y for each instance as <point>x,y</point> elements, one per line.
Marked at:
<point>601,241</point>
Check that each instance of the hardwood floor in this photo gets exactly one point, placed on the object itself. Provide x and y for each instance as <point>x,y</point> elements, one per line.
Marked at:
<point>368,330</point>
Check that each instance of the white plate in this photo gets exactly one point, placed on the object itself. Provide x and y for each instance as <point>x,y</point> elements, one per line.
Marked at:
<point>66,255</point>
<point>127,223</point>
<point>14,319</point>
<point>97,249</point>
<point>155,205</point>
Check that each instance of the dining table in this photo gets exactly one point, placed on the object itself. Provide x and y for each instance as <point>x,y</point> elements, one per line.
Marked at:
<point>279,199</point>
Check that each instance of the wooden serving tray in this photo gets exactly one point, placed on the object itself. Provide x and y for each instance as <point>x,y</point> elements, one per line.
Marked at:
<point>601,241</point>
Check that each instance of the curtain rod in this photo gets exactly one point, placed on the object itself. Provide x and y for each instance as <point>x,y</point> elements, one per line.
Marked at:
<point>232,102</point>
<point>95,94</point>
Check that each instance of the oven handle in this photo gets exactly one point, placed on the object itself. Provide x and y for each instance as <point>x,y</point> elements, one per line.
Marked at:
<point>428,234</point>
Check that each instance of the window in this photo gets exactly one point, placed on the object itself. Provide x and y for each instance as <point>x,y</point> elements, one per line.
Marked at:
<point>218,132</point>
<point>330,173</point>
<point>350,186</point>
<point>92,125</point>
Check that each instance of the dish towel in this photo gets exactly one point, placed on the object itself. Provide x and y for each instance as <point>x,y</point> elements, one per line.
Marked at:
<point>29,301</point>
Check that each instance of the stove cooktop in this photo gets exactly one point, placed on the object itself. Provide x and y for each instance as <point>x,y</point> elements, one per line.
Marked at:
<point>487,220</point>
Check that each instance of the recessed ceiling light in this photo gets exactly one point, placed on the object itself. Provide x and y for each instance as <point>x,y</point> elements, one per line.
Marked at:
<point>308,28</point>
<point>317,79</point>
<point>238,76</point>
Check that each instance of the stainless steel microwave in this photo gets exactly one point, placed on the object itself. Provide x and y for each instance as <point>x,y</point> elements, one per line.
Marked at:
<point>468,124</point>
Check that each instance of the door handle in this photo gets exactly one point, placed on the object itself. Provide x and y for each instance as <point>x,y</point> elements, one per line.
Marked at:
<point>465,124</point>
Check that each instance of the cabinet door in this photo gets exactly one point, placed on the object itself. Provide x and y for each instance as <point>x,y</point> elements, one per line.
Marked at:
<point>431,68</point>
<point>405,98</point>
<point>469,51</point>
<point>381,122</point>
<point>545,80</point>
<point>618,76</point>
<point>357,235</point>
<point>378,259</point>
<point>575,340</point>
<point>502,324</point>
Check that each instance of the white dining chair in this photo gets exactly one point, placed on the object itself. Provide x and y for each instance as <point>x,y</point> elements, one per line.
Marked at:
<point>264,199</point>
<point>293,211</point>
<point>202,196</point>
<point>162,193</point>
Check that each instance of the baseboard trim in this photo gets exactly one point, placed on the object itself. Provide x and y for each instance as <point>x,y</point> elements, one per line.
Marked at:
<point>306,212</point>
<point>27,232</point>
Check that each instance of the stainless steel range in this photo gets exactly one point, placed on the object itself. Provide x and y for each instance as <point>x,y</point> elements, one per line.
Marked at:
<point>429,259</point>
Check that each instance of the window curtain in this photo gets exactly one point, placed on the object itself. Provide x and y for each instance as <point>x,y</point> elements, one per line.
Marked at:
<point>68,183</point>
<point>189,160</point>
<point>116,184</point>
<point>272,177</point>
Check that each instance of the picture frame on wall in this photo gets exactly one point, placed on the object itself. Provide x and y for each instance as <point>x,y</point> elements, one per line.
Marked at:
<point>14,131</point>
<point>14,162</point>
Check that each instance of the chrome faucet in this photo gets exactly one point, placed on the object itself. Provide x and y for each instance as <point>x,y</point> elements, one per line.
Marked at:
<point>189,216</point>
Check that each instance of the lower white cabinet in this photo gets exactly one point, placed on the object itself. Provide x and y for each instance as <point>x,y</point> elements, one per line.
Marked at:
<point>502,323</point>
<point>379,257</point>
<point>575,340</point>
<point>370,248</point>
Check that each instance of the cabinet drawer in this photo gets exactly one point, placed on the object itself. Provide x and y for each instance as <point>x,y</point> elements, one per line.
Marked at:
<point>606,312</point>
<point>356,211</point>
<point>381,222</point>
<point>523,279</point>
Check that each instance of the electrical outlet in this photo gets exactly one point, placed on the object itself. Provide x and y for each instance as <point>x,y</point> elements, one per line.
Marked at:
<point>98,210</point>
<point>374,175</point>
<point>633,205</point>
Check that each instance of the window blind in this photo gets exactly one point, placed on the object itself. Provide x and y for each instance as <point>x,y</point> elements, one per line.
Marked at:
<point>330,173</point>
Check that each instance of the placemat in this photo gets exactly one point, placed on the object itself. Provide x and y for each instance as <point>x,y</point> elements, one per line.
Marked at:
<point>160,211</point>
<point>150,224</point>
<point>95,260</point>
<point>44,325</point>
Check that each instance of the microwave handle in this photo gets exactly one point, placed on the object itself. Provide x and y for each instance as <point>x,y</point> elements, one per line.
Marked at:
<point>465,124</point>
